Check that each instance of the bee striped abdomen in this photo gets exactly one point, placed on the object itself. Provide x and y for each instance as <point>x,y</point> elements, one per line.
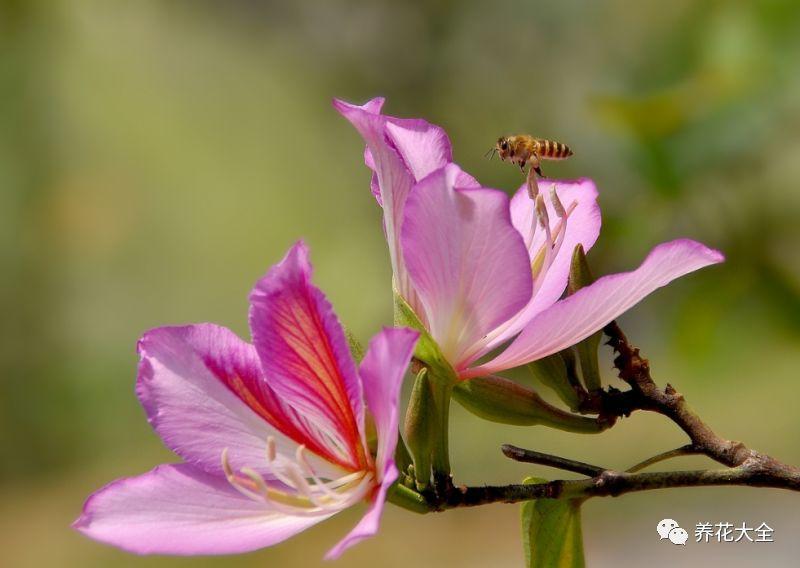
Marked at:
<point>551,150</point>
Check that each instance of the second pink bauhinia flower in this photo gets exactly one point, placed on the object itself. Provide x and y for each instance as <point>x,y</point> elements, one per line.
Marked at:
<point>479,270</point>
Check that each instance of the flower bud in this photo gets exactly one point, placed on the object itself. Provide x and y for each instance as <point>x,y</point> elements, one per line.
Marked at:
<point>420,427</point>
<point>580,276</point>
<point>506,402</point>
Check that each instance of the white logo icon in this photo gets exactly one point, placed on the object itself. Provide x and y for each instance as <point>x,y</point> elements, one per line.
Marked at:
<point>665,526</point>
<point>669,528</point>
<point>678,536</point>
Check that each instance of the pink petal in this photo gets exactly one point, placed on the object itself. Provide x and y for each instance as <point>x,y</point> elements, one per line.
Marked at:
<point>466,260</point>
<point>578,316</point>
<point>374,106</point>
<point>374,186</point>
<point>424,147</point>
<point>202,389</point>
<point>582,227</point>
<point>178,509</point>
<point>370,523</point>
<point>400,152</point>
<point>393,177</point>
<point>305,357</point>
<point>382,372</point>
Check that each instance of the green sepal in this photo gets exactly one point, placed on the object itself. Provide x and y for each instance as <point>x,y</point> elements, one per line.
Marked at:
<point>506,402</point>
<point>551,532</point>
<point>420,427</point>
<point>552,372</point>
<point>580,276</point>
<point>427,350</point>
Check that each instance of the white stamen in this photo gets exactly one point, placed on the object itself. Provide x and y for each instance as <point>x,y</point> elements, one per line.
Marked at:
<point>306,494</point>
<point>302,459</point>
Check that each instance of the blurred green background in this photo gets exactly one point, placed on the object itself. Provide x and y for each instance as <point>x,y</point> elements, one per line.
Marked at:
<point>157,156</point>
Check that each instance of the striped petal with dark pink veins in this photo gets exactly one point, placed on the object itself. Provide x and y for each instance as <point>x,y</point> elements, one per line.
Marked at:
<point>576,317</point>
<point>179,509</point>
<point>467,261</point>
<point>382,371</point>
<point>203,391</point>
<point>305,356</point>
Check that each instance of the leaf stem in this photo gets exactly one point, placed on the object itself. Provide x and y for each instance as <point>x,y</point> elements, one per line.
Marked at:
<point>687,450</point>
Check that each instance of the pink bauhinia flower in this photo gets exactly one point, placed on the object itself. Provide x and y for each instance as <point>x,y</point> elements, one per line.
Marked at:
<point>272,434</point>
<point>480,270</point>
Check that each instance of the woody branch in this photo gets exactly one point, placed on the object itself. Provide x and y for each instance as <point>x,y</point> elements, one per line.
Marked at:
<point>745,467</point>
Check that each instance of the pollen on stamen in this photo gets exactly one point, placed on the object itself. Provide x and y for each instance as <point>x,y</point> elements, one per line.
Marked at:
<point>557,205</point>
<point>272,452</point>
<point>542,215</point>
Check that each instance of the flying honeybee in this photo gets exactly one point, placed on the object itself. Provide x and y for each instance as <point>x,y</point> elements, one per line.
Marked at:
<point>523,149</point>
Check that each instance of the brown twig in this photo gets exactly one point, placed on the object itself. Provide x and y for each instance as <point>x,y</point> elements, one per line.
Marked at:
<point>635,370</point>
<point>530,456</point>
<point>614,483</point>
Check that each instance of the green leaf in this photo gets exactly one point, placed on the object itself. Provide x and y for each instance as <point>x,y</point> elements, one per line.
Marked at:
<point>500,400</point>
<point>551,532</point>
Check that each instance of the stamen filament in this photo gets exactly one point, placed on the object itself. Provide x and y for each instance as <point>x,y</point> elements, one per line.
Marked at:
<point>540,263</point>
<point>302,498</point>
